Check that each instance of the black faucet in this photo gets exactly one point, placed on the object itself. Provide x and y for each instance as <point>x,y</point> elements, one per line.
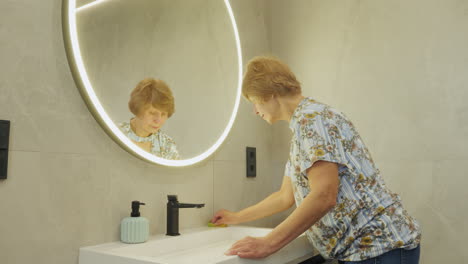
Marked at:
<point>173,214</point>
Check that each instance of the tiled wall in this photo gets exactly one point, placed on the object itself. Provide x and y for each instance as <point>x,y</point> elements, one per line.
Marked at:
<point>398,70</point>
<point>69,184</point>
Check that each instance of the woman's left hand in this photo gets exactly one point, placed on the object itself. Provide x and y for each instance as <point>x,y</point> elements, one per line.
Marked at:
<point>252,247</point>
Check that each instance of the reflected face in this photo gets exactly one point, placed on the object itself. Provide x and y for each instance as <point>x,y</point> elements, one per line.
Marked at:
<point>151,119</point>
<point>267,110</point>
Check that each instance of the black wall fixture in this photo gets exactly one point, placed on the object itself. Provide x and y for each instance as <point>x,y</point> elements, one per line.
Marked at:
<point>4,144</point>
<point>251,162</point>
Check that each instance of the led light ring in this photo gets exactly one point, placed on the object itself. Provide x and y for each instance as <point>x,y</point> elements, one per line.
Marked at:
<point>96,2</point>
<point>77,66</point>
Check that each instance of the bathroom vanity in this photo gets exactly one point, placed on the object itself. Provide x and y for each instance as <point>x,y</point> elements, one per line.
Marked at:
<point>204,245</point>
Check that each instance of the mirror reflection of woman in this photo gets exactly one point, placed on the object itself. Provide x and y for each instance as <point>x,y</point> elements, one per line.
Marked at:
<point>152,103</point>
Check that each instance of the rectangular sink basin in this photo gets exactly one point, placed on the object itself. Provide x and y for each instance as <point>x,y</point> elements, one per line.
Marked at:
<point>194,246</point>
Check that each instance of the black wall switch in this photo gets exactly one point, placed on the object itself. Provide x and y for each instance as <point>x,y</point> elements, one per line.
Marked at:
<point>4,145</point>
<point>251,161</point>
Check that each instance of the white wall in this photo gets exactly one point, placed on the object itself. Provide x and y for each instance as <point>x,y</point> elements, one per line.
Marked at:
<point>69,184</point>
<point>398,70</point>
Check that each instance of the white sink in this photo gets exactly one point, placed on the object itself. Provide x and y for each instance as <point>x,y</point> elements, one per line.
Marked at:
<point>195,246</point>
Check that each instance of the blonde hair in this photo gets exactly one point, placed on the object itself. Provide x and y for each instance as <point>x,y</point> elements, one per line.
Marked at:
<point>151,92</point>
<point>267,76</point>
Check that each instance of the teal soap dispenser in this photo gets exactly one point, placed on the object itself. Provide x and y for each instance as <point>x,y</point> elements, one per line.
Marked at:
<point>134,229</point>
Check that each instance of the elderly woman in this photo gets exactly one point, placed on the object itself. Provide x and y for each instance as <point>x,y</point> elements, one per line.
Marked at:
<point>152,104</point>
<point>343,204</point>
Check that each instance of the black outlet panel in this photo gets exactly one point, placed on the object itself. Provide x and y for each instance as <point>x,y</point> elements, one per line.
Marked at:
<point>4,145</point>
<point>251,161</point>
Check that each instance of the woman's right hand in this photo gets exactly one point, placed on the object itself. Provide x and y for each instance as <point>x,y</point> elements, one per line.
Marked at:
<point>225,217</point>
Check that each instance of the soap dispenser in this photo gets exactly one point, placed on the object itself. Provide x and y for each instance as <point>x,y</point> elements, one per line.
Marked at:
<point>134,229</point>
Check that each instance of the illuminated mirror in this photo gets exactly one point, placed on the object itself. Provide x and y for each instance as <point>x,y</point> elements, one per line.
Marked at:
<point>162,77</point>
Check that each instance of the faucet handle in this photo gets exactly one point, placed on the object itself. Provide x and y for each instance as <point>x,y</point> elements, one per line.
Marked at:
<point>172,198</point>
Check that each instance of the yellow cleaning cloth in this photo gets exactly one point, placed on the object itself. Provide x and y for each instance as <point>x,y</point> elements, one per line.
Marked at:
<point>214,225</point>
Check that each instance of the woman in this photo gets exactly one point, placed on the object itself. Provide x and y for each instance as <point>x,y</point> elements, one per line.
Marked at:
<point>342,202</point>
<point>152,104</point>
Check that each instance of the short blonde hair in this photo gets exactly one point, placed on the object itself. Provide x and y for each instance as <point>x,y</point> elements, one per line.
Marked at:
<point>267,76</point>
<point>151,92</point>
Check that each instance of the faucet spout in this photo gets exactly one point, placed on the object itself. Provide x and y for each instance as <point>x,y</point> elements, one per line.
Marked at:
<point>187,205</point>
<point>173,206</point>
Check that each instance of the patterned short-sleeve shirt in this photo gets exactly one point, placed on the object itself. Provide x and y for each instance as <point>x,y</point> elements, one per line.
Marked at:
<point>162,145</point>
<point>368,219</point>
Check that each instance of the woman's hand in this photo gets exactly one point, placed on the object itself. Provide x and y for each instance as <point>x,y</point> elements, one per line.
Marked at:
<point>252,248</point>
<point>225,217</point>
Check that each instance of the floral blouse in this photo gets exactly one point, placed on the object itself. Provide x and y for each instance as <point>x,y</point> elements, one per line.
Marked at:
<point>368,219</point>
<point>162,145</point>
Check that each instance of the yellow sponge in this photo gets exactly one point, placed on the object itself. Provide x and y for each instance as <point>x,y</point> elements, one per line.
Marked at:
<point>215,225</point>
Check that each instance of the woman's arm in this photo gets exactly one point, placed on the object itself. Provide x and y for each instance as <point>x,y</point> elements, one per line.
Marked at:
<point>276,202</point>
<point>324,182</point>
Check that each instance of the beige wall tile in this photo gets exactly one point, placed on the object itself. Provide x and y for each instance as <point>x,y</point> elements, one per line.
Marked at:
<point>397,69</point>
<point>69,184</point>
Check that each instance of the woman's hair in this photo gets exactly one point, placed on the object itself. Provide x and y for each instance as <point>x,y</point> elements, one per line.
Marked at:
<point>151,92</point>
<point>267,76</point>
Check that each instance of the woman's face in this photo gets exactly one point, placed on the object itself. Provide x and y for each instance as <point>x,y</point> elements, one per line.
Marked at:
<point>267,110</point>
<point>152,119</point>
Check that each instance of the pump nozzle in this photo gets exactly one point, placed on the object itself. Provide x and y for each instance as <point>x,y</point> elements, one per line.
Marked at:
<point>136,208</point>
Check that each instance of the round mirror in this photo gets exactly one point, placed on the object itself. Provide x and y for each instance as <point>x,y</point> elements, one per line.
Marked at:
<point>162,77</point>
